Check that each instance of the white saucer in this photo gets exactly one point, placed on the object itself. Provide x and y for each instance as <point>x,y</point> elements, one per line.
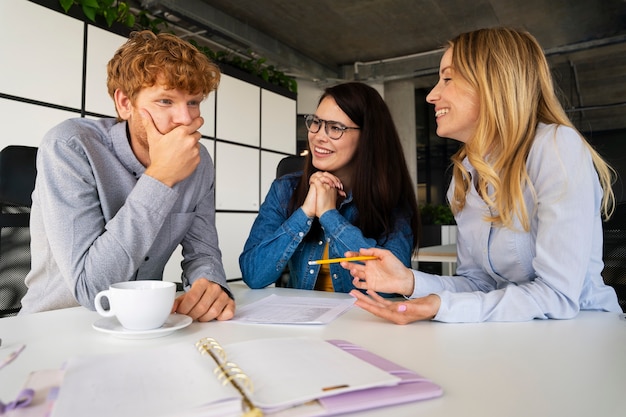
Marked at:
<point>112,326</point>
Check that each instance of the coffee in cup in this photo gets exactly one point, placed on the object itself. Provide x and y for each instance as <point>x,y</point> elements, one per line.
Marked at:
<point>138,305</point>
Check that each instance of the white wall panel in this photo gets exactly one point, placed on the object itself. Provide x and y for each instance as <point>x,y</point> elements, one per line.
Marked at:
<point>173,271</point>
<point>210,145</point>
<point>237,174</point>
<point>233,230</point>
<point>238,114</point>
<point>309,95</point>
<point>269,162</point>
<point>207,109</point>
<point>26,124</point>
<point>278,131</point>
<point>42,54</point>
<point>101,45</point>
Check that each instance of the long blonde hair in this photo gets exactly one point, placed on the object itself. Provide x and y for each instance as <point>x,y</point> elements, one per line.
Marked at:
<point>508,70</point>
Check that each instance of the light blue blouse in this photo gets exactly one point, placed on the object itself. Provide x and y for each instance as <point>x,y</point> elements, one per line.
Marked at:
<point>552,271</point>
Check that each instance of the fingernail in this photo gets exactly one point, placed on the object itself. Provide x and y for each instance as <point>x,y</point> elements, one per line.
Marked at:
<point>402,308</point>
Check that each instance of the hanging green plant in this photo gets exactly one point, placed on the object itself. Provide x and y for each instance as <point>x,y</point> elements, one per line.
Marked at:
<point>112,11</point>
<point>252,66</point>
<point>115,11</point>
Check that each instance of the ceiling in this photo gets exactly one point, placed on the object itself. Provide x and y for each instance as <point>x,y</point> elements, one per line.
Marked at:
<point>328,41</point>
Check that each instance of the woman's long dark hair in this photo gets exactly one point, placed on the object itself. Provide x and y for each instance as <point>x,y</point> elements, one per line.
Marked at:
<point>382,188</point>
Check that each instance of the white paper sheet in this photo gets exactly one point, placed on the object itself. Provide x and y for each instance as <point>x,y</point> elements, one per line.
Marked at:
<point>278,309</point>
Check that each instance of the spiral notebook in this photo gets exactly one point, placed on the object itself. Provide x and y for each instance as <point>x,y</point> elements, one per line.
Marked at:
<point>279,377</point>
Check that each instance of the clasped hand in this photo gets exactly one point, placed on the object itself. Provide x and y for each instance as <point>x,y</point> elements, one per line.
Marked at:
<point>324,188</point>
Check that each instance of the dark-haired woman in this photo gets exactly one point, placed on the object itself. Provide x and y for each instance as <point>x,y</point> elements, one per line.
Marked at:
<point>354,192</point>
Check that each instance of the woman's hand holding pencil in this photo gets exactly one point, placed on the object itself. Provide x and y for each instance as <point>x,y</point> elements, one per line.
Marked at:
<point>384,274</point>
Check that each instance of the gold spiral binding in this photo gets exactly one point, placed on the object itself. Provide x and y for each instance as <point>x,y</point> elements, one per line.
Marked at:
<point>230,373</point>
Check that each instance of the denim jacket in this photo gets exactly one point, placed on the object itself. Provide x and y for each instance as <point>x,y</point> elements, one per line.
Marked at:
<point>277,240</point>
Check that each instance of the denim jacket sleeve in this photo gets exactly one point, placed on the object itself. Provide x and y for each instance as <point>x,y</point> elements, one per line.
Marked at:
<point>274,237</point>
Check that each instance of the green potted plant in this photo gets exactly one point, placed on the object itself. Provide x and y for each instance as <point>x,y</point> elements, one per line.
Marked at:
<point>438,225</point>
<point>436,214</point>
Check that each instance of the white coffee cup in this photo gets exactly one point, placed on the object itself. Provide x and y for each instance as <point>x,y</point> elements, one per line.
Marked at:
<point>138,305</point>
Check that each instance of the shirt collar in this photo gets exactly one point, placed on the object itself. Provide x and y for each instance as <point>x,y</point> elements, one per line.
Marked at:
<point>121,144</point>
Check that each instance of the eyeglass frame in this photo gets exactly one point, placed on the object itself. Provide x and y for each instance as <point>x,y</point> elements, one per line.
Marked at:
<point>309,118</point>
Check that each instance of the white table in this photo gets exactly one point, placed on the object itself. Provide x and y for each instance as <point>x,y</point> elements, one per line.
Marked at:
<point>540,368</point>
<point>446,254</point>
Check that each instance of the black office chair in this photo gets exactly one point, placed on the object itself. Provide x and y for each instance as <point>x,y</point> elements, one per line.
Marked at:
<point>17,180</point>
<point>614,253</point>
<point>287,165</point>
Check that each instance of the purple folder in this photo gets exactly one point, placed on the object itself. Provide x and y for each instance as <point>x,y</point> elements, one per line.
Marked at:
<point>413,386</point>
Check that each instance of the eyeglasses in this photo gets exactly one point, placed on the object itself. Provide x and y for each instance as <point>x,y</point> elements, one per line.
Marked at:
<point>334,130</point>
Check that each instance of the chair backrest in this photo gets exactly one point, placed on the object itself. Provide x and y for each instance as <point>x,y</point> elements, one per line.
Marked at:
<point>17,175</point>
<point>17,181</point>
<point>289,164</point>
<point>614,253</point>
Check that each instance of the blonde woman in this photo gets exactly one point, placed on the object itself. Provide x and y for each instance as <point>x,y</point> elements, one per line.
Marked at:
<point>528,193</point>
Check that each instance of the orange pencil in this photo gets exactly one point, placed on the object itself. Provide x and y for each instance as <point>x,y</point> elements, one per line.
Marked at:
<point>335,260</point>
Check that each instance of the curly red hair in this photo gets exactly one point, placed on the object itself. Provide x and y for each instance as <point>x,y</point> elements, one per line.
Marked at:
<point>147,58</point>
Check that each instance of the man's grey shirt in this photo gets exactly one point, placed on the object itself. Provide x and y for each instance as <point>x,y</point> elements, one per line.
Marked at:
<point>96,219</point>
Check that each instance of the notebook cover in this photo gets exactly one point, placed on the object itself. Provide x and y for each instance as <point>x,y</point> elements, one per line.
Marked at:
<point>413,387</point>
<point>45,385</point>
